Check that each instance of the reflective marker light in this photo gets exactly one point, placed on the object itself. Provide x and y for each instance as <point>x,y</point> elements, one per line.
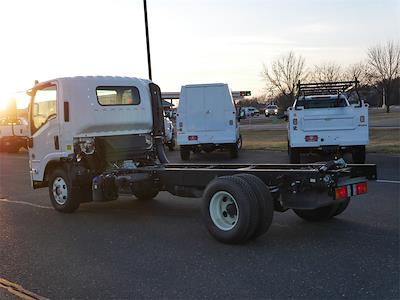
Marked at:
<point>361,188</point>
<point>341,193</point>
<point>362,119</point>
<point>311,138</point>
<point>192,137</point>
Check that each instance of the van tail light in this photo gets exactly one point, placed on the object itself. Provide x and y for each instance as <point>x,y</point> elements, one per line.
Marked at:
<point>362,119</point>
<point>311,138</point>
<point>294,121</point>
<point>361,188</point>
<point>341,192</point>
<point>192,137</point>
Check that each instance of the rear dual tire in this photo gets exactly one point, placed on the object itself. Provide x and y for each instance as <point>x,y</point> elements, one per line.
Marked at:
<point>358,154</point>
<point>235,210</point>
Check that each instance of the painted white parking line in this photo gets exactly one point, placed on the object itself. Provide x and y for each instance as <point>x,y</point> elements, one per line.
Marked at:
<point>388,181</point>
<point>19,291</point>
<point>25,203</point>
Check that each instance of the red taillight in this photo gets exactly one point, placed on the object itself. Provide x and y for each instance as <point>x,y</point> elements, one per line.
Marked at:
<point>311,138</point>
<point>192,137</point>
<point>341,193</point>
<point>362,119</point>
<point>294,121</point>
<point>361,188</point>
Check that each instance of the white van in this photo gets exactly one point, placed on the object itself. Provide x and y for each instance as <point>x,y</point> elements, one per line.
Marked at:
<point>206,120</point>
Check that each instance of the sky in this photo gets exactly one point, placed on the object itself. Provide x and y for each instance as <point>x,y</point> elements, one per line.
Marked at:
<point>192,41</point>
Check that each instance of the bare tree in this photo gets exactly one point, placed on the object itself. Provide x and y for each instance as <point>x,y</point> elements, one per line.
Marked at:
<point>283,74</point>
<point>327,72</point>
<point>384,62</point>
<point>358,70</point>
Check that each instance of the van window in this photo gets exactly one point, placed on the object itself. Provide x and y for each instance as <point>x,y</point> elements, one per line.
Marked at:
<point>118,95</point>
<point>44,107</point>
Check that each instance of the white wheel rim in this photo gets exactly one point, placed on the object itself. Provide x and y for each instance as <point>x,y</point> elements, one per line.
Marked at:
<point>224,211</point>
<point>60,190</point>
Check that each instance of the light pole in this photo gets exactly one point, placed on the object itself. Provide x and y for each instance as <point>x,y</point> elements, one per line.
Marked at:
<point>147,38</point>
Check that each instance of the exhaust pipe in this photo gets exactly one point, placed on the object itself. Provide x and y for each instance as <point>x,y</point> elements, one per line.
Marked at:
<point>158,122</point>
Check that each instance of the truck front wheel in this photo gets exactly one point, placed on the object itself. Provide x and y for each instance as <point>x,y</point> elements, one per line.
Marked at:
<point>63,197</point>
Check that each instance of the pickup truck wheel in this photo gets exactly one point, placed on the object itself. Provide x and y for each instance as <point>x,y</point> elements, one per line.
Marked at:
<point>264,200</point>
<point>63,197</point>
<point>342,207</point>
<point>358,154</point>
<point>234,151</point>
<point>145,190</point>
<point>230,210</point>
<point>185,153</point>
<point>319,214</point>
<point>294,155</point>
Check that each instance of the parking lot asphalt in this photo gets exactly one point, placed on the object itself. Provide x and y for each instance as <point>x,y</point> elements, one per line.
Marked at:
<point>160,248</point>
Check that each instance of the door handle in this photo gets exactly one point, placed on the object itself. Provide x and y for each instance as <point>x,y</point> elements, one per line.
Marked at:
<point>56,143</point>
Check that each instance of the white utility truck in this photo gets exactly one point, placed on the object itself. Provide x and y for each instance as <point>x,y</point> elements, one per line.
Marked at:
<point>95,138</point>
<point>13,134</point>
<point>322,119</point>
<point>206,120</point>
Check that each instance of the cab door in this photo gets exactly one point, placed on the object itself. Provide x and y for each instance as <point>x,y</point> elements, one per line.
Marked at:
<point>44,144</point>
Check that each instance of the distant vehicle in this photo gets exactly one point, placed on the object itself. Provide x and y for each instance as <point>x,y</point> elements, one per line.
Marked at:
<point>169,134</point>
<point>206,120</point>
<point>13,134</point>
<point>271,110</point>
<point>250,111</point>
<point>322,119</point>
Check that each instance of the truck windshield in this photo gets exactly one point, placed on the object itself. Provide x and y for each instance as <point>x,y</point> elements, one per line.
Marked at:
<point>326,102</point>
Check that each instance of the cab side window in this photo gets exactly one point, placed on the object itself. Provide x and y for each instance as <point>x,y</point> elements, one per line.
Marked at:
<point>44,107</point>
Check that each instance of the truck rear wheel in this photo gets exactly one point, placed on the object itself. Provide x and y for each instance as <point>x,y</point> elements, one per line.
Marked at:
<point>240,142</point>
<point>319,214</point>
<point>185,153</point>
<point>230,210</point>
<point>358,154</point>
<point>63,197</point>
<point>265,203</point>
<point>294,155</point>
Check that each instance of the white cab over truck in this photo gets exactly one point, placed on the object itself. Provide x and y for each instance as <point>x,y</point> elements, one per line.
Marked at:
<point>95,138</point>
<point>206,120</point>
<point>13,134</point>
<point>322,119</point>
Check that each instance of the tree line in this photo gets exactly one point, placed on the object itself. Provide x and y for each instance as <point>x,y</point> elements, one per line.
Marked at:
<point>379,73</point>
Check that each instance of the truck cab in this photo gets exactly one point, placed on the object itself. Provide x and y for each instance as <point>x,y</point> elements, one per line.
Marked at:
<point>89,118</point>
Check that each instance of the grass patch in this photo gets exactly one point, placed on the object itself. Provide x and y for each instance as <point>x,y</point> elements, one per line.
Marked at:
<point>381,140</point>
